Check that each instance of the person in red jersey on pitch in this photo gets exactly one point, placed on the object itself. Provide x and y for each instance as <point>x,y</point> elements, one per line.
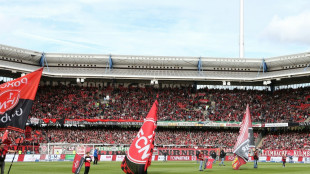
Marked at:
<point>283,160</point>
<point>201,158</point>
<point>3,152</point>
<point>87,161</point>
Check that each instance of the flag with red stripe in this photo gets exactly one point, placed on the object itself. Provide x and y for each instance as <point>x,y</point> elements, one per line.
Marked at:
<point>139,155</point>
<point>241,149</point>
<point>16,99</point>
<point>77,164</point>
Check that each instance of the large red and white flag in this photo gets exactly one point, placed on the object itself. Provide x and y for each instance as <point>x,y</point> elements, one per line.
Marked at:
<point>139,155</point>
<point>77,164</point>
<point>16,99</point>
<point>241,148</point>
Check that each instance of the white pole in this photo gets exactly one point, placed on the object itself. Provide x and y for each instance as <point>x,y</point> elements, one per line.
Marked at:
<point>241,46</point>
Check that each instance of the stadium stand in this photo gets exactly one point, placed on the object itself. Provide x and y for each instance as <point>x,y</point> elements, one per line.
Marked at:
<point>187,138</point>
<point>299,140</point>
<point>176,104</point>
<point>107,94</point>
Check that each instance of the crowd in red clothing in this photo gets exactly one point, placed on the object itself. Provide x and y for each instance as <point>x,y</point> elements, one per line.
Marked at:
<point>189,138</point>
<point>173,137</point>
<point>287,141</point>
<point>175,104</point>
<point>210,138</point>
<point>280,106</point>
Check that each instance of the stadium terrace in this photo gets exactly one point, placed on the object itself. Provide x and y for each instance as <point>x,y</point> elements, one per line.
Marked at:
<point>92,101</point>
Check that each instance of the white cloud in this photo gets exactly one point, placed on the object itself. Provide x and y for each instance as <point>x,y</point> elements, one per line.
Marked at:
<point>291,29</point>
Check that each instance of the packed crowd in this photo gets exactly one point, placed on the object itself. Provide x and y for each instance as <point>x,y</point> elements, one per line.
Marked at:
<point>287,105</point>
<point>287,141</point>
<point>172,137</point>
<point>198,138</point>
<point>189,138</point>
<point>175,104</point>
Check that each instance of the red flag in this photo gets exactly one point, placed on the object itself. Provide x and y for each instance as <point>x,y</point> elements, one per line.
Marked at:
<point>19,140</point>
<point>37,132</point>
<point>210,163</point>
<point>28,133</point>
<point>139,155</point>
<point>5,138</point>
<point>241,149</point>
<point>237,162</point>
<point>77,164</point>
<point>16,98</point>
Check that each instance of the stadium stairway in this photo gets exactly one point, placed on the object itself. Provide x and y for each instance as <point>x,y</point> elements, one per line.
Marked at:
<point>260,143</point>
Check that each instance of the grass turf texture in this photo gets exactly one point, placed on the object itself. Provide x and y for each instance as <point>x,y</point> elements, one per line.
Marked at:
<point>155,168</point>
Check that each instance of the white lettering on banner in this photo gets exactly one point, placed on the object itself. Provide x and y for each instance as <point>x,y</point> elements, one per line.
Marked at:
<point>9,158</point>
<point>161,158</point>
<point>279,153</point>
<point>262,158</point>
<point>54,157</point>
<point>120,157</point>
<point>76,164</point>
<point>180,158</point>
<point>146,141</point>
<point>7,117</point>
<point>276,159</point>
<point>31,158</point>
<point>15,84</point>
<point>106,158</point>
<point>8,100</point>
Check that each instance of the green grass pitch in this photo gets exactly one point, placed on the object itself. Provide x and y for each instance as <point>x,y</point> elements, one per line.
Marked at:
<point>155,168</point>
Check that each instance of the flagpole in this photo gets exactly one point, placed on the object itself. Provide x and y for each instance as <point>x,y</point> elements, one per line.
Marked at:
<point>14,155</point>
<point>241,35</point>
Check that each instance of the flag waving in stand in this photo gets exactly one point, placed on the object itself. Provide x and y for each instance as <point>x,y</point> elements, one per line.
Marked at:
<point>241,149</point>
<point>16,99</point>
<point>5,138</point>
<point>139,155</point>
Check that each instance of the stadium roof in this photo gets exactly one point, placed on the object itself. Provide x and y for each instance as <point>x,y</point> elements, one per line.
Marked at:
<point>65,65</point>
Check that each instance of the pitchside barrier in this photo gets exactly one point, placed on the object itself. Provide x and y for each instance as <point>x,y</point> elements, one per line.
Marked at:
<point>119,158</point>
<point>110,152</point>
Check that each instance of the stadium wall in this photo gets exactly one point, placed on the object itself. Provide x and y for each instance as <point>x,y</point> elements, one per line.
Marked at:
<point>70,157</point>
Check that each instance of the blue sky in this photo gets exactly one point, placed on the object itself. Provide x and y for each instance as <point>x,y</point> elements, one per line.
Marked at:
<point>208,28</point>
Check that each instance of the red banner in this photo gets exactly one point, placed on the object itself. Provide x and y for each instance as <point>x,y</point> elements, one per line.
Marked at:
<point>186,151</point>
<point>16,98</point>
<point>181,158</point>
<point>48,120</point>
<point>77,164</point>
<point>209,163</point>
<point>278,153</point>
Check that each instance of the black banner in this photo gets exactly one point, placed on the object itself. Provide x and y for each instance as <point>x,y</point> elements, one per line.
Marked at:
<point>16,99</point>
<point>16,118</point>
<point>132,168</point>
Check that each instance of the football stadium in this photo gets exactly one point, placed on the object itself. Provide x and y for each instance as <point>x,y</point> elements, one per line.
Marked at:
<point>63,112</point>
